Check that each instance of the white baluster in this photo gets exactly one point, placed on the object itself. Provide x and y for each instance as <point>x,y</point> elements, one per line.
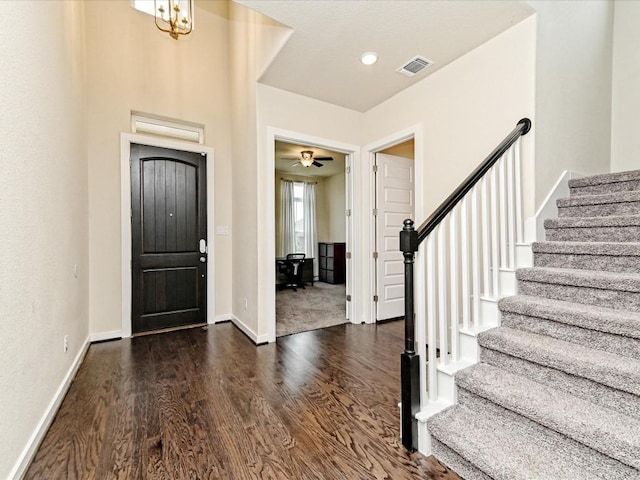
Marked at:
<point>453,281</point>
<point>495,244</point>
<point>431,317</point>
<point>511,219</point>
<point>518,184</point>
<point>464,260</point>
<point>485,237</point>
<point>475,258</point>
<point>443,324</point>
<point>503,213</point>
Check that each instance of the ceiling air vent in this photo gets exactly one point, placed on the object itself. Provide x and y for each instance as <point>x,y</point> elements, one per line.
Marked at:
<point>414,66</point>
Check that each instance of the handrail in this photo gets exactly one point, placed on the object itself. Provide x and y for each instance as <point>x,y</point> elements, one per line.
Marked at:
<point>410,240</point>
<point>522,128</point>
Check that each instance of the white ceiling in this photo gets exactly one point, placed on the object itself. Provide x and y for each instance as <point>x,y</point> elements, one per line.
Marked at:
<point>321,58</point>
<point>284,151</point>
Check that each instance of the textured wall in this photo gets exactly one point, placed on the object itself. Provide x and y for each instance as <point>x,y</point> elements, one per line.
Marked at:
<point>142,69</point>
<point>573,89</point>
<point>625,101</point>
<point>43,213</point>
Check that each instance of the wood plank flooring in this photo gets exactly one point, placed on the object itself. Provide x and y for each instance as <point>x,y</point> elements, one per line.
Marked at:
<point>208,404</point>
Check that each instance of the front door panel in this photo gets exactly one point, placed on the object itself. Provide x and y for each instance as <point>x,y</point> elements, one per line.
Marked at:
<point>168,199</point>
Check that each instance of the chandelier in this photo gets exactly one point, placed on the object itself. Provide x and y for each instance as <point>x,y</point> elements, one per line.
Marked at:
<point>174,17</point>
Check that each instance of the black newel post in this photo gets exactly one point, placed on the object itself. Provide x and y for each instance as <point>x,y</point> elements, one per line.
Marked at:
<point>409,360</point>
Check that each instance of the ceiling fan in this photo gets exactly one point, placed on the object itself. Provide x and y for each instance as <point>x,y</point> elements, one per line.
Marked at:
<point>307,159</point>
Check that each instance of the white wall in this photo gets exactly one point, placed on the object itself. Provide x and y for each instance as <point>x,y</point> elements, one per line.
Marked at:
<point>43,212</point>
<point>254,39</point>
<point>625,108</point>
<point>139,68</point>
<point>465,109</point>
<point>283,110</point>
<point>573,89</point>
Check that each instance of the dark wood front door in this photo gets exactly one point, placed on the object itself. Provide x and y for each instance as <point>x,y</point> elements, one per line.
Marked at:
<point>169,233</point>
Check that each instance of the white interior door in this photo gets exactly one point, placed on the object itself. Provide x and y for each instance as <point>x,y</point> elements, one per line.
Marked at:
<point>395,203</point>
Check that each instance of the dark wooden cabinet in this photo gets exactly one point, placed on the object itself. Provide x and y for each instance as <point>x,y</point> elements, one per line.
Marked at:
<point>332,263</point>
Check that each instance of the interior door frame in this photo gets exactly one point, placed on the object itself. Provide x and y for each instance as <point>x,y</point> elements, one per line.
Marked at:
<point>126,139</point>
<point>352,267</point>
<point>369,153</point>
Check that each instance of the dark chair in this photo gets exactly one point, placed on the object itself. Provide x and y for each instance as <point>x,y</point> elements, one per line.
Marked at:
<point>291,268</point>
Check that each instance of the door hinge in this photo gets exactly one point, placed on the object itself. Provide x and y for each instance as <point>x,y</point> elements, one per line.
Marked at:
<point>375,212</point>
<point>347,255</point>
<point>375,169</point>
<point>348,212</point>
<point>375,255</point>
<point>375,298</point>
<point>131,213</point>
<point>348,298</point>
<point>348,169</point>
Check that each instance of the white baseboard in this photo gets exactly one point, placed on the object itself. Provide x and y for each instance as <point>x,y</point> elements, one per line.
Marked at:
<point>225,317</point>
<point>257,339</point>
<point>20,468</point>
<point>102,336</point>
<point>534,226</point>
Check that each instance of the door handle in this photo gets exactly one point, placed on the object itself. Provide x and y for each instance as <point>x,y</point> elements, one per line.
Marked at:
<point>203,245</point>
<point>203,259</point>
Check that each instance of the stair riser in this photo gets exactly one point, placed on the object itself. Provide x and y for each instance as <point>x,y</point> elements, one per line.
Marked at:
<point>594,234</point>
<point>455,462</point>
<point>602,210</point>
<point>615,299</point>
<point>595,461</point>
<point>626,264</point>
<point>605,188</point>
<point>595,392</point>
<point>629,347</point>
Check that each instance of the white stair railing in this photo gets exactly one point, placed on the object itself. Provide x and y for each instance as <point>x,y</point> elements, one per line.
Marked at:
<point>465,261</point>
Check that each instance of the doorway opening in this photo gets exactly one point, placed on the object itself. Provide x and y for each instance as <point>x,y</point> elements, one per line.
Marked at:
<point>310,237</point>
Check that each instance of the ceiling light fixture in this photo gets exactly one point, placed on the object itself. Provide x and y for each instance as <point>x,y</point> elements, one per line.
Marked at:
<point>369,58</point>
<point>174,17</point>
<point>306,158</point>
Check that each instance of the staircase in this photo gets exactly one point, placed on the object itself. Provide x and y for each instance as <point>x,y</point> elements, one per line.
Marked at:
<point>556,394</point>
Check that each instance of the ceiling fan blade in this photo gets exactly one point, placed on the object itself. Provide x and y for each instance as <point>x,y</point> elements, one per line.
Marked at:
<point>289,158</point>
<point>318,164</point>
<point>323,159</point>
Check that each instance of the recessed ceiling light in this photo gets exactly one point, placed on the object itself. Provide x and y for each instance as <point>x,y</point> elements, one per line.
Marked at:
<point>369,58</point>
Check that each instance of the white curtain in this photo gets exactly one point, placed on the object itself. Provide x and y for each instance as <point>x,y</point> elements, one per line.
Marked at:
<point>310,225</point>
<point>287,219</point>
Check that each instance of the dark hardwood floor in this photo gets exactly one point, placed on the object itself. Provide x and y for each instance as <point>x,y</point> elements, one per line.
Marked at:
<point>208,404</point>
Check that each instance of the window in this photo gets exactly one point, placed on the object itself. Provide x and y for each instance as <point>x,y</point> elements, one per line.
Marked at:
<point>298,209</point>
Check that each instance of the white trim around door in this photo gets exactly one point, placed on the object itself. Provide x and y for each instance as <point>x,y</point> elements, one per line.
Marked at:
<point>368,199</point>
<point>126,139</point>
<point>266,254</point>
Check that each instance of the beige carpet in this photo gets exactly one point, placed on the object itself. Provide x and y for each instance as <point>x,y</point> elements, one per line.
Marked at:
<point>320,306</point>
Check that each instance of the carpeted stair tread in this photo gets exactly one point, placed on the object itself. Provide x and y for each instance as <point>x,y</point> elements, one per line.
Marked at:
<point>609,432</point>
<point>621,281</point>
<point>603,395</point>
<point>616,371</point>
<point>614,249</point>
<point>610,256</point>
<point>455,462</point>
<point>601,199</point>
<point>602,319</point>
<point>591,222</point>
<point>605,178</point>
<point>601,205</point>
<point>502,451</point>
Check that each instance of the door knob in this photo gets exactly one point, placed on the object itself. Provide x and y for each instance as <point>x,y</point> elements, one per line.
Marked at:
<point>203,259</point>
